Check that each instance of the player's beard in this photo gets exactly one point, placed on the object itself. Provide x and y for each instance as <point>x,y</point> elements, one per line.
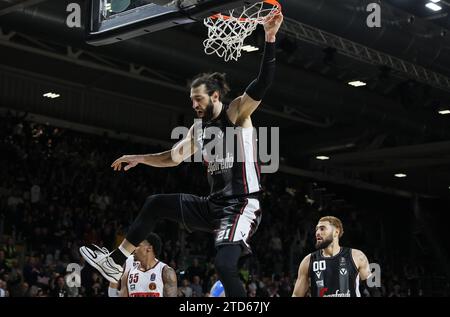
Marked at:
<point>325,242</point>
<point>209,111</point>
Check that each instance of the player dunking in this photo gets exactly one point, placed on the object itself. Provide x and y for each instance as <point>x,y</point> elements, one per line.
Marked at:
<point>232,210</point>
<point>332,270</point>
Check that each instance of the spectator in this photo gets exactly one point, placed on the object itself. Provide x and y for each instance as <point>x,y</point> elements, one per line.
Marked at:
<point>35,193</point>
<point>197,290</point>
<point>185,290</point>
<point>60,289</point>
<point>4,268</point>
<point>3,289</point>
<point>194,270</point>
<point>10,250</point>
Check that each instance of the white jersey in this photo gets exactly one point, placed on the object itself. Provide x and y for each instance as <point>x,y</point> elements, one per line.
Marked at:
<point>144,283</point>
<point>130,262</point>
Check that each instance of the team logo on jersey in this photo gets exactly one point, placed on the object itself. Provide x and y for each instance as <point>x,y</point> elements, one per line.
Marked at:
<point>132,287</point>
<point>318,273</point>
<point>319,283</point>
<point>152,286</point>
<point>153,277</point>
<point>219,165</point>
<point>343,271</point>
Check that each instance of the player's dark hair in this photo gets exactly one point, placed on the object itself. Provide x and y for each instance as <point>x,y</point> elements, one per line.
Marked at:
<point>155,241</point>
<point>213,82</point>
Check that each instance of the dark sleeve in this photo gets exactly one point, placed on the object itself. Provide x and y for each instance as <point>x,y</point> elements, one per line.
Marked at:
<point>258,87</point>
<point>372,290</point>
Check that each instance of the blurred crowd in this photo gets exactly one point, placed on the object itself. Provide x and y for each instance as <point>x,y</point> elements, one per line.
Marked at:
<point>58,192</point>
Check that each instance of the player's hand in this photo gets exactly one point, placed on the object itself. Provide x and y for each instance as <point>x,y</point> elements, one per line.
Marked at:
<point>130,160</point>
<point>272,25</point>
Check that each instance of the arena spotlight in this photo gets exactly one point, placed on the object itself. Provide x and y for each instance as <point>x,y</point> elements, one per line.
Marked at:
<point>433,6</point>
<point>357,83</point>
<point>51,95</point>
<point>250,48</point>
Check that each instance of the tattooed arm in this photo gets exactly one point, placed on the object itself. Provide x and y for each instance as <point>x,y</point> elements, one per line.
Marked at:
<point>170,282</point>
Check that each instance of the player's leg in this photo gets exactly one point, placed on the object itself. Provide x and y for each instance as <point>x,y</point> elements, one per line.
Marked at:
<point>239,219</point>
<point>226,264</point>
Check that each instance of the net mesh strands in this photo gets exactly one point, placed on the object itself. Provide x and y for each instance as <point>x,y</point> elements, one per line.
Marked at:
<point>227,33</point>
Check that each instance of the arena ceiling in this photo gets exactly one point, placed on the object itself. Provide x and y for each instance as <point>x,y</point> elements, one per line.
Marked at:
<point>392,125</point>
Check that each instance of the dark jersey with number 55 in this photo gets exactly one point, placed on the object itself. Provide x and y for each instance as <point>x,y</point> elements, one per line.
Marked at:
<point>335,276</point>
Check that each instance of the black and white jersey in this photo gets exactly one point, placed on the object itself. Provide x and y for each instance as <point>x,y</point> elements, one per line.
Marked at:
<point>234,170</point>
<point>335,276</point>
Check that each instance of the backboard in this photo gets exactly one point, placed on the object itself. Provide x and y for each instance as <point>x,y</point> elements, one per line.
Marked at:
<point>117,20</point>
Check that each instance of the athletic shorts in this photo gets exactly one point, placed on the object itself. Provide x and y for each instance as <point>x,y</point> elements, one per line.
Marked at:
<point>233,221</point>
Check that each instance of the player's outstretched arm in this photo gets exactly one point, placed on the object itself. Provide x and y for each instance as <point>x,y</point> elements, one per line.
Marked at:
<point>242,107</point>
<point>182,150</point>
<point>170,282</point>
<point>302,283</point>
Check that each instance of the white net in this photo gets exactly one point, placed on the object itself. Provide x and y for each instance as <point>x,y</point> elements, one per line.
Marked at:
<point>226,33</point>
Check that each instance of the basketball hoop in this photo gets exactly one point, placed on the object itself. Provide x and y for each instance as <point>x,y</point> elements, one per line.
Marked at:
<point>227,32</point>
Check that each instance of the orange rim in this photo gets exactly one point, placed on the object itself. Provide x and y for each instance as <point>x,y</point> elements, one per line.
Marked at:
<point>227,17</point>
